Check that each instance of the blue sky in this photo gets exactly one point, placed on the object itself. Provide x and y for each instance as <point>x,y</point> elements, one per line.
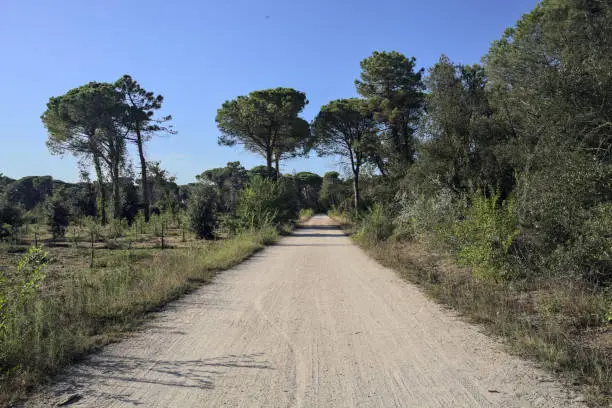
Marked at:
<point>201,53</point>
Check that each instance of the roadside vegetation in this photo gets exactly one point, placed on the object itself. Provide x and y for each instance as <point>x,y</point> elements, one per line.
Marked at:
<point>69,285</point>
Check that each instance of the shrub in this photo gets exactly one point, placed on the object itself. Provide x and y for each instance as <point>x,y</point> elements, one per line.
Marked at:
<point>588,254</point>
<point>17,289</point>
<point>11,217</point>
<point>266,201</point>
<point>116,228</point>
<point>229,224</point>
<point>202,211</point>
<point>376,226</point>
<point>428,217</point>
<point>565,215</point>
<point>484,236</point>
<point>58,216</point>
<point>306,214</point>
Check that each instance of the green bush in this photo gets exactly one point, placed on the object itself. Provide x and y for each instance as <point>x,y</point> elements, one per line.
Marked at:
<point>116,228</point>
<point>58,216</point>
<point>306,213</point>
<point>565,215</point>
<point>265,201</point>
<point>376,226</point>
<point>11,217</point>
<point>425,217</point>
<point>485,235</point>
<point>589,254</point>
<point>17,289</point>
<point>202,211</point>
<point>229,224</point>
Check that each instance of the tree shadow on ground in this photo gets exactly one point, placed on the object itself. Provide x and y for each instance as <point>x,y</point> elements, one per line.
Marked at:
<point>197,374</point>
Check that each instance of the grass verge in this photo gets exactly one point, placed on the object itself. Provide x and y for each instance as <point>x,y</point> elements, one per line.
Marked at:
<point>563,327</point>
<point>79,310</point>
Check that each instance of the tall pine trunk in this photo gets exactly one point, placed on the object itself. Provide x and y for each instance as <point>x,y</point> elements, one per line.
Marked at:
<point>276,162</point>
<point>101,190</point>
<point>269,159</point>
<point>356,189</point>
<point>116,189</point>
<point>143,172</point>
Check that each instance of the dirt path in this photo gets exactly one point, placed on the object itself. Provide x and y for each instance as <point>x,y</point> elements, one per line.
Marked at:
<point>310,322</point>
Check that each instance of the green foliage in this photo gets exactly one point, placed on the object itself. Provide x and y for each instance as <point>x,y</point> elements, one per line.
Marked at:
<point>429,218</point>
<point>265,122</point>
<point>588,254</point>
<point>202,211</point>
<point>116,228</point>
<point>57,216</point>
<point>84,122</point>
<point>346,127</point>
<point>264,202</point>
<point>229,180</point>
<point>262,171</point>
<point>394,91</point>
<point>93,227</point>
<point>16,290</point>
<point>28,192</point>
<point>306,214</point>
<point>130,203</point>
<point>73,233</point>
<point>308,186</point>
<point>376,226</point>
<point>485,235</point>
<point>334,191</point>
<point>141,124</point>
<point>460,147</point>
<point>11,217</point>
<point>562,208</point>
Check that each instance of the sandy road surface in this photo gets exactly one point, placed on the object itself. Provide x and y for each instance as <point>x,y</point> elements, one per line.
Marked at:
<point>310,322</point>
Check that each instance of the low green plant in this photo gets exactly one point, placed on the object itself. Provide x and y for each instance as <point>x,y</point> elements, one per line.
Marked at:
<point>73,233</point>
<point>485,235</point>
<point>139,222</point>
<point>116,228</point>
<point>306,214</point>
<point>10,217</point>
<point>57,215</point>
<point>266,201</point>
<point>202,211</point>
<point>376,226</point>
<point>428,218</point>
<point>17,289</point>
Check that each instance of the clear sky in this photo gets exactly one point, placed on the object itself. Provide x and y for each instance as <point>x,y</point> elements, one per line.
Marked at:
<point>201,53</point>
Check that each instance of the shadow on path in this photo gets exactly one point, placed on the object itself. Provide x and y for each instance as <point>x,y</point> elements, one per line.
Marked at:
<point>121,370</point>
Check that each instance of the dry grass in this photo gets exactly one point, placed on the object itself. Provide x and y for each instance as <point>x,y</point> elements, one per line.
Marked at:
<point>80,309</point>
<point>563,327</point>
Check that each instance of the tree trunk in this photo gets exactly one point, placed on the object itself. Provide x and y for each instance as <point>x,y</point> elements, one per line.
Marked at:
<point>143,171</point>
<point>101,190</point>
<point>116,190</point>
<point>381,166</point>
<point>277,161</point>
<point>269,160</point>
<point>356,189</point>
